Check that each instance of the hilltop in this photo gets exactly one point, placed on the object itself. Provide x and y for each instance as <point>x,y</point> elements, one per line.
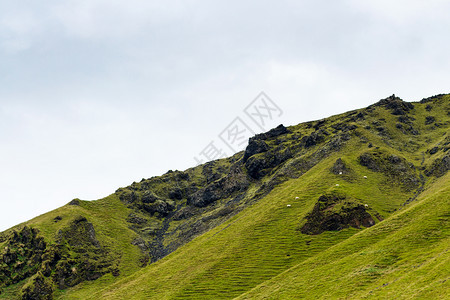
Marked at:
<point>351,206</point>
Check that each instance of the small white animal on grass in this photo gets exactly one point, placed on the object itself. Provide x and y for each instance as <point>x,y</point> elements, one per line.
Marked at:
<point>366,205</point>
<point>288,205</point>
<point>337,184</point>
<point>365,177</point>
<point>296,198</point>
<point>340,173</point>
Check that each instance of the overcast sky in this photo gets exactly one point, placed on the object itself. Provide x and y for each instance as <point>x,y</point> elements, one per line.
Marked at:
<point>96,94</point>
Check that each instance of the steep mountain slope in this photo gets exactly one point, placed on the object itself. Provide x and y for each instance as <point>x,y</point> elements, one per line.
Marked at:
<point>358,200</point>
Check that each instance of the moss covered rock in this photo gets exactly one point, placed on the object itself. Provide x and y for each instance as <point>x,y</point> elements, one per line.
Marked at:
<point>334,212</point>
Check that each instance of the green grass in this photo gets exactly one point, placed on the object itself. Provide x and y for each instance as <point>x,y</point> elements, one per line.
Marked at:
<point>260,252</point>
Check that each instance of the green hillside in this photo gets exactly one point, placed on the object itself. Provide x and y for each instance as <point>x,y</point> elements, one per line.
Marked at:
<point>353,206</point>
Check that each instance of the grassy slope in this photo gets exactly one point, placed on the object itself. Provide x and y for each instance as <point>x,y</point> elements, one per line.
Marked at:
<point>261,253</point>
<point>404,256</point>
<point>262,242</point>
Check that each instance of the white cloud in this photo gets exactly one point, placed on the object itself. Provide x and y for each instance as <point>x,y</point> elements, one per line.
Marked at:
<point>17,30</point>
<point>95,94</point>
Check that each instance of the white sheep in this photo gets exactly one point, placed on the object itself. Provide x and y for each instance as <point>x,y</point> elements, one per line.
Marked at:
<point>288,205</point>
<point>296,198</point>
<point>337,184</point>
<point>365,177</point>
<point>366,205</point>
<point>340,173</point>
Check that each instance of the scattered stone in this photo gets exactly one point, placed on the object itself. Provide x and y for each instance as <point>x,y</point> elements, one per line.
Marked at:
<point>434,150</point>
<point>429,120</point>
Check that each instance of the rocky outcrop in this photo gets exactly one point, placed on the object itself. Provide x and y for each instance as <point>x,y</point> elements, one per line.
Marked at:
<point>275,132</point>
<point>396,105</point>
<point>340,168</point>
<point>314,138</point>
<point>22,256</point>
<point>261,164</point>
<point>334,212</point>
<point>255,146</point>
<point>40,288</point>
<point>439,167</point>
<point>76,257</point>
<point>235,182</point>
<point>395,167</point>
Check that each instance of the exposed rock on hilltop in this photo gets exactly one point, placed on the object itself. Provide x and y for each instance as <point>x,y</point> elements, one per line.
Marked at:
<point>396,105</point>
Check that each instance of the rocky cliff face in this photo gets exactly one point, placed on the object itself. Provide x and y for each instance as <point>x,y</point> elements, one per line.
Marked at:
<point>76,257</point>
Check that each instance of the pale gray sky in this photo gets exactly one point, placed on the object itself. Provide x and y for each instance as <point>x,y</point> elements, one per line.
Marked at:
<point>96,94</point>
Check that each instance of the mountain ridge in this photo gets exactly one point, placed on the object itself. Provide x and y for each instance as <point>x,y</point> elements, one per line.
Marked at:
<point>401,147</point>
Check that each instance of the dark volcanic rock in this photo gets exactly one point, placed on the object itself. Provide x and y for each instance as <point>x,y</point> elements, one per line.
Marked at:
<point>277,131</point>
<point>395,167</point>
<point>149,197</point>
<point>433,150</point>
<point>339,167</point>
<point>334,212</point>
<point>135,219</point>
<point>396,105</point>
<point>255,146</point>
<point>75,201</point>
<point>439,167</point>
<point>184,213</point>
<point>260,165</point>
<point>429,120</point>
<point>432,98</point>
<point>236,181</point>
<point>314,138</point>
<point>79,233</point>
<point>40,288</point>
<point>159,206</point>
<point>176,194</point>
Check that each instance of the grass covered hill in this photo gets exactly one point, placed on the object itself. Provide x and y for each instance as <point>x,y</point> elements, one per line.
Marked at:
<point>349,207</point>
